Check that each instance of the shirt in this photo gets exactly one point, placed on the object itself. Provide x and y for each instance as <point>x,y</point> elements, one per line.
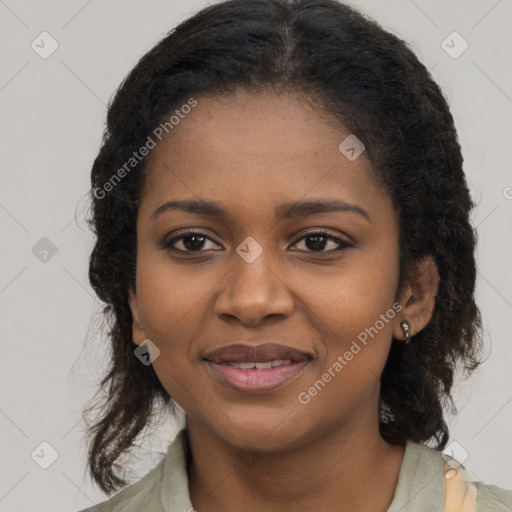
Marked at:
<point>421,486</point>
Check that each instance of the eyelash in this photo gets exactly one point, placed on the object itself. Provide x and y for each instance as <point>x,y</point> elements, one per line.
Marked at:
<point>343,245</point>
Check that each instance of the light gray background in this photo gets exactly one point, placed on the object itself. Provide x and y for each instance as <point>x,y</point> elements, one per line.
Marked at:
<point>53,113</point>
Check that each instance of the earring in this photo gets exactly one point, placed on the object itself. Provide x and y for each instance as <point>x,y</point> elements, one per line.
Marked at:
<point>405,327</point>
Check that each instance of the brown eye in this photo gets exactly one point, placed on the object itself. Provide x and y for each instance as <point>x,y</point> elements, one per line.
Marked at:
<point>317,241</point>
<point>190,242</point>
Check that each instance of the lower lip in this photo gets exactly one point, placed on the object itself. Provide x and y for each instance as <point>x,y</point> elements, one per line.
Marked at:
<point>257,381</point>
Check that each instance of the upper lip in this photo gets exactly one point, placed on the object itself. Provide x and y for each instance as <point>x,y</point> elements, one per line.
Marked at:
<point>239,353</point>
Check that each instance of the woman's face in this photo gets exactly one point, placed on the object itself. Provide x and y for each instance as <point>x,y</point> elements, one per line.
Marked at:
<point>254,275</point>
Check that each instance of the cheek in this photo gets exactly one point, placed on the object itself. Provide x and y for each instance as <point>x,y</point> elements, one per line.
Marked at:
<point>170,295</point>
<point>356,315</point>
<point>353,296</point>
<point>356,338</point>
<point>172,301</point>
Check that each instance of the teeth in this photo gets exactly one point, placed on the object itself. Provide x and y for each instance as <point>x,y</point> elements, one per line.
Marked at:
<point>260,365</point>
<point>246,366</point>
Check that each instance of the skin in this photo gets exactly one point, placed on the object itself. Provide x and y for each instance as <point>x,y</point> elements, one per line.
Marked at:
<point>267,451</point>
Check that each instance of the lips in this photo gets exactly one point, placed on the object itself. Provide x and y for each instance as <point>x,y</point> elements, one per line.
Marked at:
<point>259,353</point>
<point>257,369</point>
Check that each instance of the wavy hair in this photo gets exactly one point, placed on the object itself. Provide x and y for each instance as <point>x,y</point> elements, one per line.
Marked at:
<point>369,81</point>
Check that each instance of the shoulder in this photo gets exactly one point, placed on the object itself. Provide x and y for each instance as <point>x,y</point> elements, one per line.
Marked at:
<point>460,492</point>
<point>491,498</point>
<point>135,497</point>
<point>163,488</point>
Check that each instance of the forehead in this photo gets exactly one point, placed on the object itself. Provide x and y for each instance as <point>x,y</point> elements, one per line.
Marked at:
<point>252,151</point>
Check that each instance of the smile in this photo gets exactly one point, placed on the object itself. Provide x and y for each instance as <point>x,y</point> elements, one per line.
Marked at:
<point>257,377</point>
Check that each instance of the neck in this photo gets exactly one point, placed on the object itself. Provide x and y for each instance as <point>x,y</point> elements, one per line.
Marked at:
<point>348,468</point>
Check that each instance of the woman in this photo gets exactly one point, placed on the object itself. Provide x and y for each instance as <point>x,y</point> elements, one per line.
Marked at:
<point>284,249</point>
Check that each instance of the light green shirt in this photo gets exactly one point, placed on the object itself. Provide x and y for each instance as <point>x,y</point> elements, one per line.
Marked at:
<point>420,487</point>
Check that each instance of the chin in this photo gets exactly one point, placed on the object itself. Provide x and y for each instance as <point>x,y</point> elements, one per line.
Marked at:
<point>261,430</point>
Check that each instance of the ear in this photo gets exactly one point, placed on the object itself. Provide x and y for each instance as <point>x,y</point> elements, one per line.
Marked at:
<point>138,334</point>
<point>418,297</point>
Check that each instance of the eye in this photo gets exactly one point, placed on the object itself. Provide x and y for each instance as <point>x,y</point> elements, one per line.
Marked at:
<point>191,241</point>
<point>316,241</point>
<point>195,241</point>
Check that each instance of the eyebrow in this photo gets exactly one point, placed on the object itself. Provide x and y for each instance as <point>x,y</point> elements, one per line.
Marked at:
<point>283,211</point>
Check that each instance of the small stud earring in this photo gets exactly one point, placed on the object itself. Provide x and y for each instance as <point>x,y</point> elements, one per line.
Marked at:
<point>405,327</point>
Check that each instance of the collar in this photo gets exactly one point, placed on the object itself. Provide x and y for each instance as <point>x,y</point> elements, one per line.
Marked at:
<point>420,479</point>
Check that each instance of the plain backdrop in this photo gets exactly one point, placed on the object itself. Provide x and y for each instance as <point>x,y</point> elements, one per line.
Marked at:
<point>52,114</point>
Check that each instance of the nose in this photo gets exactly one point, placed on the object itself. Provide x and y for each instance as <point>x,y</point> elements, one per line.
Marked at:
<point>253,292</point>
